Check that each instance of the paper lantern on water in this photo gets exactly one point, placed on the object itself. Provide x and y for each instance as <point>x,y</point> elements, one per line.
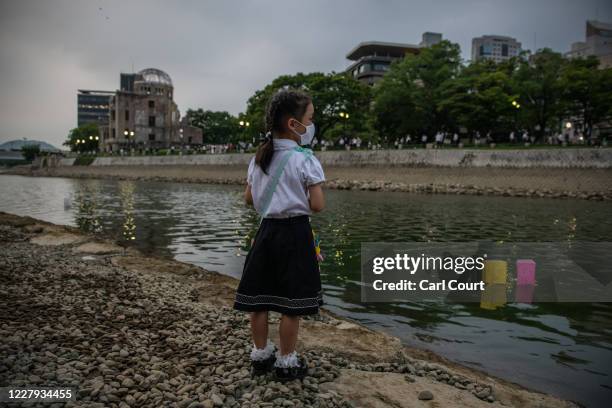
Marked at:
<point>524,293</point>
<point>525,271</point>
<point>495,271</point>
<point>493,296</point>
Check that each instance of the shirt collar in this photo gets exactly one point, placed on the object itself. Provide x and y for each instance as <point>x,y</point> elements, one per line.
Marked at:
<point>283,144</point>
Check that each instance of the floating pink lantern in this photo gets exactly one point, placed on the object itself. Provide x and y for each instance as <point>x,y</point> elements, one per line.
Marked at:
<point>525,271</point>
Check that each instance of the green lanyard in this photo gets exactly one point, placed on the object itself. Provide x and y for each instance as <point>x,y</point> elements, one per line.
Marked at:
<point>271,187</point>
<point>272,184</point>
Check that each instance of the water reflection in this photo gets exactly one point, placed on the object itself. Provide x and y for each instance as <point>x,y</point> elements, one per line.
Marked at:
<point>126,194</point>
<point>565,349</point>
<point>84,201</point>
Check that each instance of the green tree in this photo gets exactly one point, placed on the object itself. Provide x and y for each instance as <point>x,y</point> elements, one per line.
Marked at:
<point>332,94</point>
<point>409,97</point>
<point>83,138</point>
<point>480,98</point>
<point>537,82</point>
<point>587,91</point>
<point>218,127</point>
<point>30,151</point>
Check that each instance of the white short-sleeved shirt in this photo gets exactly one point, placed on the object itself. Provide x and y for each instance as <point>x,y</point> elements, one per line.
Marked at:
<point>291,195</point>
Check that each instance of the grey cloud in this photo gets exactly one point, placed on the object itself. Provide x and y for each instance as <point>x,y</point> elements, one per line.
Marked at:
<point>219,53</point>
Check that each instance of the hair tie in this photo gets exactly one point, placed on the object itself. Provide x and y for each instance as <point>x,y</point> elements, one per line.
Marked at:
<point>268,135</point>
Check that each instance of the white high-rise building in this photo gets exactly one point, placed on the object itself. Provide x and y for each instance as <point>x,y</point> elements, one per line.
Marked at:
<point>495,47</point>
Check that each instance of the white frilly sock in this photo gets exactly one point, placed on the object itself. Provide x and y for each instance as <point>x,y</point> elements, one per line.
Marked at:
<point>288,360</point>
<point>262,354</point>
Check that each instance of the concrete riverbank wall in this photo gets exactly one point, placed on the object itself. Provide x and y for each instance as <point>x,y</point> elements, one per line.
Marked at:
<point>528,158</point>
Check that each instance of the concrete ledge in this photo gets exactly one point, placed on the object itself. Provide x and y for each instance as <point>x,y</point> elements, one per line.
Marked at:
<point>195,159</point>
<point>67,161</point>
<point>537,158</point>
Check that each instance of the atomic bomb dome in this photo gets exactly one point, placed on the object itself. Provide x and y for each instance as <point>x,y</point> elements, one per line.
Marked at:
<point>155,76</point>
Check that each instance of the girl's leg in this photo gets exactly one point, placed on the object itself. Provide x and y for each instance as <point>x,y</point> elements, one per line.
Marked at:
<point>288,331</point>
<point>259,328</point>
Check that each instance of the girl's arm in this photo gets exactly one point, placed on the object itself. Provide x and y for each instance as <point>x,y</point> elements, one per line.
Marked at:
<point>248,197</point>
<point>317,201</point>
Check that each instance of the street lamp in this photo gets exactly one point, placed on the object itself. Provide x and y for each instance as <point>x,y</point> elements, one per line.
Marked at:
<point>517,106</point>
<point>244,125</point>
<point>568,125</point>
<point>345,116</point>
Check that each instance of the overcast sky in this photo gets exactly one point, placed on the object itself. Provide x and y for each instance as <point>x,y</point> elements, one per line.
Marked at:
<point>219,53</point>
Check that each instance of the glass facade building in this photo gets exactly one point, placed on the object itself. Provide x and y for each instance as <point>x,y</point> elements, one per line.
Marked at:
<point>92,107</point>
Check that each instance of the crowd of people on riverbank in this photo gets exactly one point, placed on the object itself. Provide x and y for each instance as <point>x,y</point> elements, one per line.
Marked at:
<point>438,140</point>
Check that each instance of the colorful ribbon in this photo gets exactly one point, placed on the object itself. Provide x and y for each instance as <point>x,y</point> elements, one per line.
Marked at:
<point>317,246</point>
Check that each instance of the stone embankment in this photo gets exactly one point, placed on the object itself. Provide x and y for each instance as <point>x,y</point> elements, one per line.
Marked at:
<point>576,183</point>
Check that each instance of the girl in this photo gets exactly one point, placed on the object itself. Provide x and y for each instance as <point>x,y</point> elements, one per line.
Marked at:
<point>281,270</point>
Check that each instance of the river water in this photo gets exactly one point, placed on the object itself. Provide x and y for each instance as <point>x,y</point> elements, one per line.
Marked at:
<point>562,349</point>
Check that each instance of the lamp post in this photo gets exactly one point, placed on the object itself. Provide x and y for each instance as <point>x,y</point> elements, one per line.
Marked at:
<point>244,125</point>
<point>517,106</point>
<point>129,134</point>
<point>181,137</point>
<point>344,116</point>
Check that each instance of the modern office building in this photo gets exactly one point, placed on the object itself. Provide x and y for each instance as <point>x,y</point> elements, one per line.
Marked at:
<point>495,47</point>
<point>373,58</point>
<point>143,115</point>
<point>92,106</point>
<point>598,43</point>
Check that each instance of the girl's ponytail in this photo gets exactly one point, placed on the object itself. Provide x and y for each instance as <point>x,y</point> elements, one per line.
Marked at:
<point>265,151</point>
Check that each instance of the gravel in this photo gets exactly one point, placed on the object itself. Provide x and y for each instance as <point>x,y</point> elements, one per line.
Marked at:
<point>126,338</point>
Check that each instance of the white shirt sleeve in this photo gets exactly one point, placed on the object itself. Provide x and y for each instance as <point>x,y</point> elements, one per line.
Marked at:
<point>250,171</point>
<point>312,172</point>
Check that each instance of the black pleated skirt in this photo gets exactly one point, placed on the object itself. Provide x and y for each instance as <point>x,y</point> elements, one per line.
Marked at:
<point>281,272</point>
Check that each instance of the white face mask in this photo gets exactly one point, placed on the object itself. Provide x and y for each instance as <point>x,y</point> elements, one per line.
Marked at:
<point>306,137</point>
